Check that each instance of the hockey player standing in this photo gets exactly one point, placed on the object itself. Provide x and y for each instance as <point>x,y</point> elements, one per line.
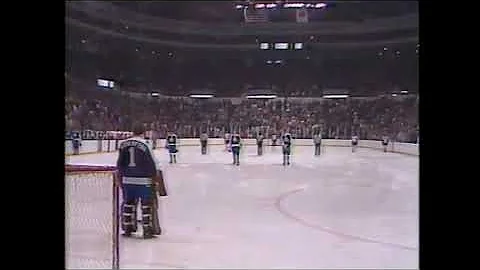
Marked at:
<point>260,143</point>
<point>154,142</point>
<point>286,148</point>
<point>139,176</point>
<point>385,141</point>
<point>354,143</point>
<point>171,145</point>
<point>227,141</point>
<point>76,143</point>
<point>203,142</point>
<point>317,141</point>
<point>154,139</point>
<point>235,145</point>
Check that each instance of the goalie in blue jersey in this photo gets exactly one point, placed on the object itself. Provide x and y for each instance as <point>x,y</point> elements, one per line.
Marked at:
<point>140,178</point>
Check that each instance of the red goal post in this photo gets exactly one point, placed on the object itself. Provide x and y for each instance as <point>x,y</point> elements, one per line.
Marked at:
<point>92,202</point>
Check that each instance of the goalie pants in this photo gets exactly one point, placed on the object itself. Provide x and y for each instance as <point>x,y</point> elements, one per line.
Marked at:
<point>132,194</point>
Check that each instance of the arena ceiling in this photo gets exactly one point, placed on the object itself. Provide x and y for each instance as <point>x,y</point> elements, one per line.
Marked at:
<point>224,11</point>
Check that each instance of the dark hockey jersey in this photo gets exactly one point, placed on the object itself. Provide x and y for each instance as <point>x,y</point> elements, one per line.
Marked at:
<point>171,143</point>
<point>287,140</point>
<point>235,140</point>
<point>172,140</point>
<point>260,139</point>
<point>76,143</point>
<point>136,162</point>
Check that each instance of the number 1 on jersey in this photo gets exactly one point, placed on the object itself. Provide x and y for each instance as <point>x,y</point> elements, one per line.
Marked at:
<point>131,150</point>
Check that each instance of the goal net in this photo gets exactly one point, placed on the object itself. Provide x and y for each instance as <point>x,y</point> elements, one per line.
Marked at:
<point>91,217</point>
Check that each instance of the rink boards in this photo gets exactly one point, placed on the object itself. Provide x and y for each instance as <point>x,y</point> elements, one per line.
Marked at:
<point>99,146</point>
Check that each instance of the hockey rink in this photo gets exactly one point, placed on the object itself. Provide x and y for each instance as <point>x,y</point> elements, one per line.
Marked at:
<point>338,210</point>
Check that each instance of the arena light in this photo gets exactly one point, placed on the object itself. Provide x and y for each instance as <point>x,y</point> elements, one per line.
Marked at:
<point>281,46</point>
<point>293,5</point>
<point>239,6</point>
<point>320,5</point>
<point>261,96</point>
<point>105,83</point>
<point>404,92</point>
<point>335,96</point>
<point>394,95</point>
<point>154,94</point>
<point>201,96</point>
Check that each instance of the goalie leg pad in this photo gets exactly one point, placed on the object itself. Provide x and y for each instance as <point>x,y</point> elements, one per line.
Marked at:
<point>147,215</point>
<point>129,216</point>
<point>150,221</point>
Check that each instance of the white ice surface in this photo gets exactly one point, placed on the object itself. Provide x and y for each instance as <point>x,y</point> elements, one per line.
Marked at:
<point>339,210</point>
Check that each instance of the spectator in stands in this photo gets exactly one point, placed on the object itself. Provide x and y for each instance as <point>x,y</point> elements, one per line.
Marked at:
<point>96,110</point>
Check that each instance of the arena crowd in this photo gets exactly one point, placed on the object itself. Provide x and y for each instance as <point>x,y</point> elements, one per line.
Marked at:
<point>367,117</point>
